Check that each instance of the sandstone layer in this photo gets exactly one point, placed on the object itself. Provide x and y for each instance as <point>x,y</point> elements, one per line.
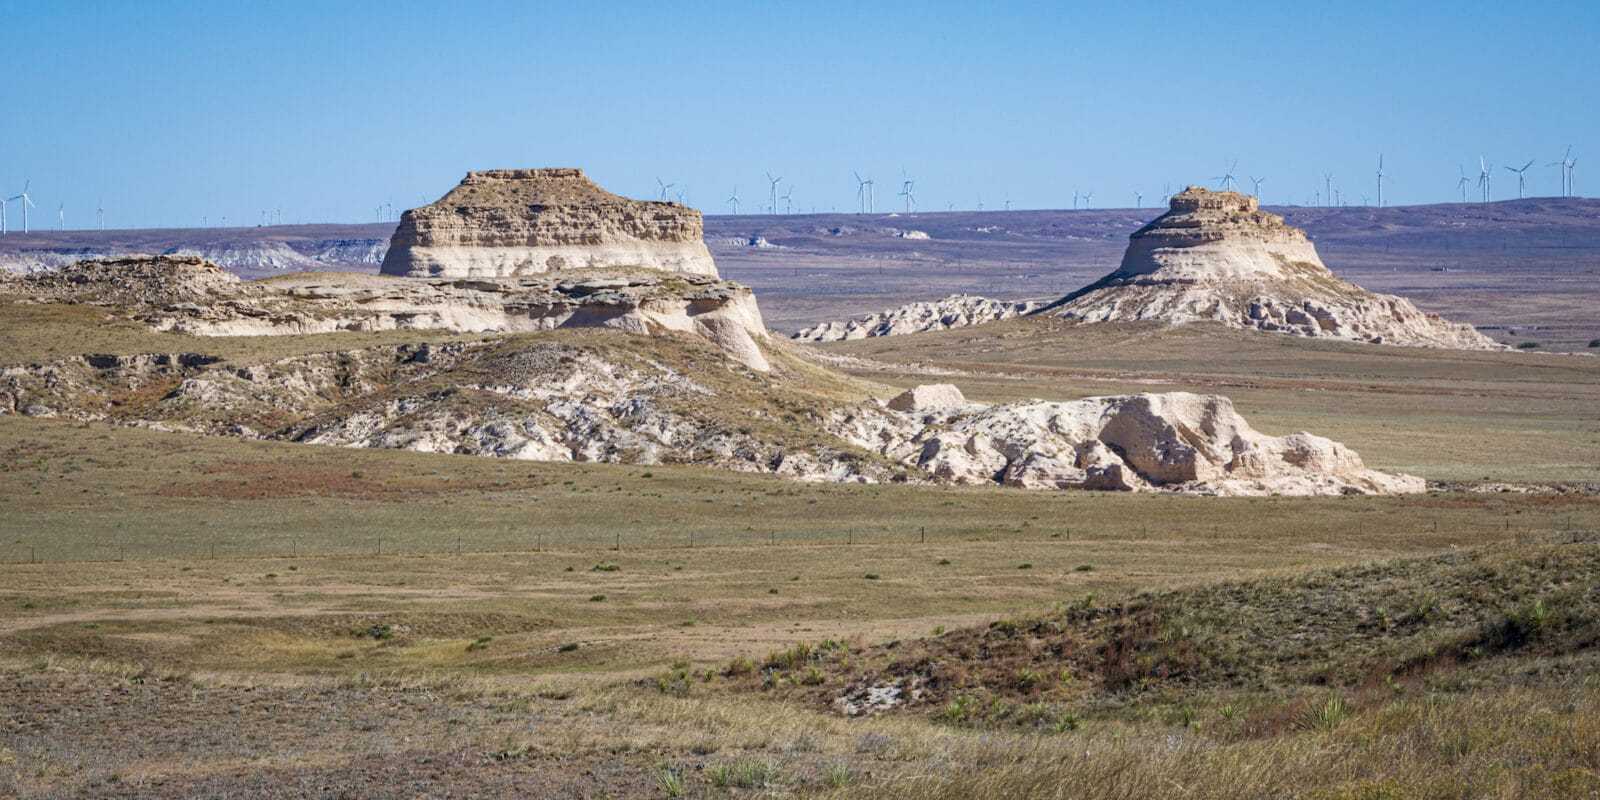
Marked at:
<point>1217,256</point>
<point>955,311</point>
<point>503,223</point>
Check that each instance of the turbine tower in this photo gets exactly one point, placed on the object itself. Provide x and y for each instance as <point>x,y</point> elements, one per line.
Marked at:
<point>864,193</point>
<point>1485,178</point>
<point>772,189</point>
<point>1521,173</point>
<point>1566,163</point>
<point>1138,199</point>
<point>61,214</point>
<point>1327,178</point>
<point>1075,198</point>
<point>1227,177</point>
<point>1086,198</point>
<point>1257,182</point>
<point>1380,180</point>
<point>3,201</point>
<point>664,187</point>
<point>906,186</point>
<point>788,201</point>
<point>734,200</point>
<point>27,203</point>
<point>1462,184</point>
<point>101,210</point>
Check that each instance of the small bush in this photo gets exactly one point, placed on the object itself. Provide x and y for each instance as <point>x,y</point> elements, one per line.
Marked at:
<point>1594,342</point>
<point>739,666</point>
<point>606,568</point>
<point>669,779</point>
<point>872,576</point>
<point>568,647</point>
<point>944,562</point>
<point>750,774</point>
<point>481,643</point>
<point>1083,568</point>
<point>1528,346</point>
<point>1025,565</point>
<point>597,598</point>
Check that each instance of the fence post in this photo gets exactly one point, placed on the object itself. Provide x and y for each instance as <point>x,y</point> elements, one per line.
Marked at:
<point>458,545</point>
<point>294,547</point>
<point>924,534</point>
<point>538,542</point>
<point>619,541</point>
<point>380,547</point>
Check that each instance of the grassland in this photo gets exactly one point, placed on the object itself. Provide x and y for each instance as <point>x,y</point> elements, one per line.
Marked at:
<point>190,616</point>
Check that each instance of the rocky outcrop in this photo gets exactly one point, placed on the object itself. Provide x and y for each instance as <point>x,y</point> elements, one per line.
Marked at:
<point>1217,256</point>
<point>187,295</point>
<point>955,311</point>
<point>1176,441</point>
<point>928,397</point>
<point>503,223</point>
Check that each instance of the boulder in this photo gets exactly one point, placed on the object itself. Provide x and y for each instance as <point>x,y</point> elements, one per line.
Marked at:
<point>927,397</point>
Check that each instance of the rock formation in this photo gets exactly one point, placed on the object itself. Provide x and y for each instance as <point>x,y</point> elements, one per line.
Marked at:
<point>1217,256</point>
<point>502,223</point>
<point>1175,441</point>
<point>955,311</point>
<point>187,295</point>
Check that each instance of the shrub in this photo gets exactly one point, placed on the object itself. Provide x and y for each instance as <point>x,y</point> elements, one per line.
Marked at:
<point>872,576</point>
<point>739,666</point>
<point>568,647</point>
<point>749,774</point>
<point>1594,342</point>
<point>606,568</point>
<point>597,598</point>
<point>1528,346</point>
<point>944,562</point>
<point>481,643</point>
<point>1083,568</point>
<point>669,779</point>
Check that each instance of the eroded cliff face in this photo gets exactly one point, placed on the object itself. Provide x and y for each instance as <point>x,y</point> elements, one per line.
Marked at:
<point>955,311</point>
<point>501,223</point>
<point>1217,256</point>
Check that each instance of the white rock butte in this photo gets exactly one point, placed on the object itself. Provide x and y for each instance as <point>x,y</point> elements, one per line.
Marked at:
<point>1218,256</point>
<point>514,222</point>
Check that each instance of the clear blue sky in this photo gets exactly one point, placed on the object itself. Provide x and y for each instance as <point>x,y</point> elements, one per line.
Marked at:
<point>172,111</point>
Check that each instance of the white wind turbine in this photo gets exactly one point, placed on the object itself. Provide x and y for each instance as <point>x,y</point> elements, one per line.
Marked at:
<point>788,200</point>
<point>1380,181</point>
<point>864,193</point>
<point>772,189</point>
<point>1327,178</point>
<point>101,210</point>
<point>3,202</point>
<point>1075,198</point>
<point>1521,173</point>
<point>1086,198</point>
<point>27,203</point>
<point>1227,177</point>
<point>906,187</point>
<point>1257,182</point>
<point>1138,199</point>
<point>61,215</point>
<point>1485,178</point>
<point>1566,163</point>
<point>1462,184</point>
<point>664,188</point>
<point>734,200</point>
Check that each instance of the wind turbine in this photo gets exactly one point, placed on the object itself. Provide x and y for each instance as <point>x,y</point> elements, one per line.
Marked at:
<point>27,203</point>
<point>980,201</point>
<point>1138,199</point>
<point>864,193</point>
<point>61,214</point>
<point>788,203</point>
<point>906,185</point>
<point>1520,175</point>
<point>1327,178</point>
<point>1075,197</point>
<point>1227,177</point>
<point>1085,202</point>
<point>1166,193</point>
<point>101,210</point>
<point>734,200</point>
<point>1380,181</point>
<point>1462,184</point>
<point>1485,178</point>
<point>3,201</point>
<point>681,193</point>
<point>1565,164</point>
<point>1257,182</point>
<point>664,188</point>
<point>773,189</point>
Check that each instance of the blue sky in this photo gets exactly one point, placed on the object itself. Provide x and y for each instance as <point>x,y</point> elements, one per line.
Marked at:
<point>172,111</point>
